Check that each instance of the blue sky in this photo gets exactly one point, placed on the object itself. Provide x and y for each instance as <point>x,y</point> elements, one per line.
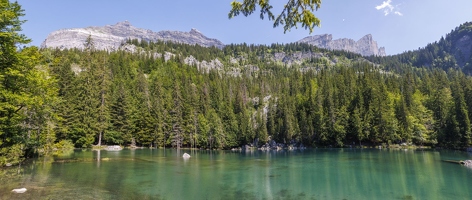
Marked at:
<point>398,25</point>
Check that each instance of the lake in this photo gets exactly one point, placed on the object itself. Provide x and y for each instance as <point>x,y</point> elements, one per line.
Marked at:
<point>300,174</point>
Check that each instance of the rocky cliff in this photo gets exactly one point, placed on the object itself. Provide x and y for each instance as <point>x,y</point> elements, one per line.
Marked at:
<point>110,37</point>
<point>366,46</point>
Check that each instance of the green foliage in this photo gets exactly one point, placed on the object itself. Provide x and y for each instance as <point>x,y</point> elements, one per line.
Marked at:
<point>64,145</point>
<point>12,155</point>
<point>27,92</point>
<point>294,12</point>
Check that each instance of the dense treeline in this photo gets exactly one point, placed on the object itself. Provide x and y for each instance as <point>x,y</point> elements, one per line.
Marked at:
<point>124,98</point>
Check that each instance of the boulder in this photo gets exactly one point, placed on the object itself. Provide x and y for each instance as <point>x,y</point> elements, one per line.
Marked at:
<point>467,163</point>
<point>186,156</point>
<point>19,191</point>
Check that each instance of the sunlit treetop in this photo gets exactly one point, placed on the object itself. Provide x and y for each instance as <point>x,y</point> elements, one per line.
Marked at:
<point>294,12</point>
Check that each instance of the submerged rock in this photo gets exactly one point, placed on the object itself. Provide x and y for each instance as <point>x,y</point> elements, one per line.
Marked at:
<point>113,148</point>
<point>467,163</point>
<point>186,155</point>
<point>20,190</point>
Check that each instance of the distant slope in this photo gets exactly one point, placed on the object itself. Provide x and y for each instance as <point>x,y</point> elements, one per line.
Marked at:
<point>110,37</point>
<point>366,46</point>
<point>453,51</point>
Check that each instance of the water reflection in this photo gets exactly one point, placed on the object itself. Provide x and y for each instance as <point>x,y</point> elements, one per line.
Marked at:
<point>309,174</point>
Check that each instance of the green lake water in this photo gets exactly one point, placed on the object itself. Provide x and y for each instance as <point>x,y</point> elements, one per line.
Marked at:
<point>308,174</point>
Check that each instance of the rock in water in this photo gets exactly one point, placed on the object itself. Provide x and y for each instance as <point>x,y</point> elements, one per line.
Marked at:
<point>186,155</point>
<point>21,190</point>
<point>468,163</point>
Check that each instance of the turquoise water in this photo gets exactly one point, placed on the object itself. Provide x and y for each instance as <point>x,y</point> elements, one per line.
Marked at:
<point>308,174</point>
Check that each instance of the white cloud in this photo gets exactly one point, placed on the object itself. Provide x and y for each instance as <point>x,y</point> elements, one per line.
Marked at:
<point>385,4</point>
<point>388,8</point>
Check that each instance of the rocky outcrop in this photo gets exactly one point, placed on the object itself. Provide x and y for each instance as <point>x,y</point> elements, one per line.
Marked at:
<point>295,57</point>
<point>111,37</point>
<point>366,46</point>
<point>204,65</point>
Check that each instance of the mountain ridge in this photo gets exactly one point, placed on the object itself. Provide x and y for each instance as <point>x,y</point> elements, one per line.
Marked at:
<point>110,37</point>
<point>365,46</point>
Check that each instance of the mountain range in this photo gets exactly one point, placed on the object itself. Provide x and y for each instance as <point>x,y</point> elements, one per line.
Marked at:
<point>111,37</point>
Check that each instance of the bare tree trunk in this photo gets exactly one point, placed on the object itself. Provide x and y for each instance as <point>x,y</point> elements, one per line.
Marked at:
<point>100,139</point>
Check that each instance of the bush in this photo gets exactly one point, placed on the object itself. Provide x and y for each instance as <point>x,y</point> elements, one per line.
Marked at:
<point>64,145</point>
<point>12,155</point>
